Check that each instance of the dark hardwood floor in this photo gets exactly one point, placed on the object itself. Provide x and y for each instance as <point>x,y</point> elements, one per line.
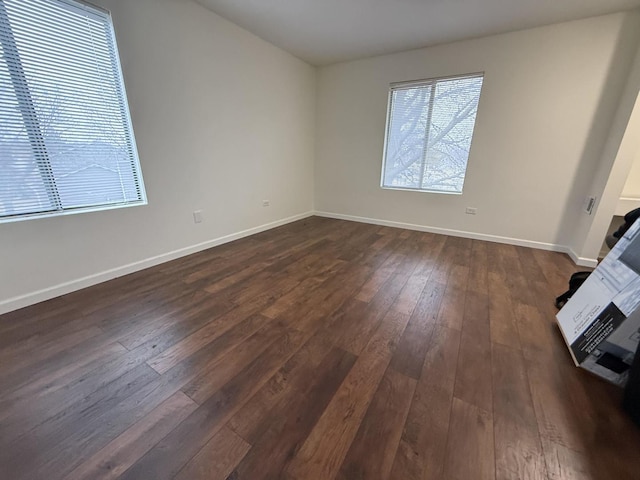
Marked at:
<point>322,349</point>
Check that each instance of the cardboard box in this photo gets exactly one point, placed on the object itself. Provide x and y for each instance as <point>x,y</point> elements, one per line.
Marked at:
<point>601,322</point>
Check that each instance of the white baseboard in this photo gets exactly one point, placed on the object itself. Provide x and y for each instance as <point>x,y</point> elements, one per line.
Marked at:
<point>581,261</point>
<point>585,262</point>
<point>80,283</point>
<point>626,204</point>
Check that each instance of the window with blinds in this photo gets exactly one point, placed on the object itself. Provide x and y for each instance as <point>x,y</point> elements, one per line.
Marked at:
<point>430,125</point>
<point>66,140</point>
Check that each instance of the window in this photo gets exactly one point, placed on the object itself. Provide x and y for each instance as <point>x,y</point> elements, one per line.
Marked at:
<point>66,141</point>
<point>429,129</point>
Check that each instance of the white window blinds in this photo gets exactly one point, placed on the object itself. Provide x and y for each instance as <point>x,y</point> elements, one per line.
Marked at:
<point>66,141</point>
<point>429,130</point>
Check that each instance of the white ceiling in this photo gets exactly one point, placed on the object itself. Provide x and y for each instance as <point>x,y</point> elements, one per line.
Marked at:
<point>328,31</point>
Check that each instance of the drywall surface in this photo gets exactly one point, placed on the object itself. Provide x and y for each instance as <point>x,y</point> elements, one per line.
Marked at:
<point>623,146</point>
<point>223,121</point>
<point>549,95</point>
<point>608,176</point>
<point>632,186</point>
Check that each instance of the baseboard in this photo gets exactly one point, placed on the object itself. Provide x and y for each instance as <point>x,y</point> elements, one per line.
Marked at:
<point>63,288</point>
<point>585,262</point>
<point>626,204</point>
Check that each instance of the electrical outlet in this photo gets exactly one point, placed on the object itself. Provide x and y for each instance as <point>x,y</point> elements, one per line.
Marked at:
<point>266,203</point>
<point>197,216</point>
<point>471,210</point>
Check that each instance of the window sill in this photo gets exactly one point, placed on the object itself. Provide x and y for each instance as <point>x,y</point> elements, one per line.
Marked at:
<point>420,190</point>
<point>73,211</point>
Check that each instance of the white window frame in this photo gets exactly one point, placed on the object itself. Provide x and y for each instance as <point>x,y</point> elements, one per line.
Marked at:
<point>420,83</point>
<point>36,138</point>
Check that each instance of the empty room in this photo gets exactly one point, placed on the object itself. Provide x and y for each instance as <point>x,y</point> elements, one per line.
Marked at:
<point>309,240</point>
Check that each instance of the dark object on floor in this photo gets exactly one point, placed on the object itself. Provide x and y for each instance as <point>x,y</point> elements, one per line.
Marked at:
<point>629,219</point>
<point>632,392</point>
<point>613,363</point>
<point>575,281</point>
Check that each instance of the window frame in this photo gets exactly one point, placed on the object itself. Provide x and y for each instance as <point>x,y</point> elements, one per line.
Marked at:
<point>33,130</point>
<point>412,84</point>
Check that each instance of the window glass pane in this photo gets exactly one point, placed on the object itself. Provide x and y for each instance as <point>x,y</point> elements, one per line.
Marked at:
<point>22,189</point>
<point>406,137</point>
<point>74,89</point>
<point>452,122</point>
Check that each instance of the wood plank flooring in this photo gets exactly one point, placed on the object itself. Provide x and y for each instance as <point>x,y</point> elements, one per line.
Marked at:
<point>322,349</point>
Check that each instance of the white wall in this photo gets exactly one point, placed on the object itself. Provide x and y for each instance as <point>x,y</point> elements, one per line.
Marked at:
<point>622,146</point>
<point>549,95</point>
<point>632,185</point>
<point>222,119</point>
<point>607,177</point>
